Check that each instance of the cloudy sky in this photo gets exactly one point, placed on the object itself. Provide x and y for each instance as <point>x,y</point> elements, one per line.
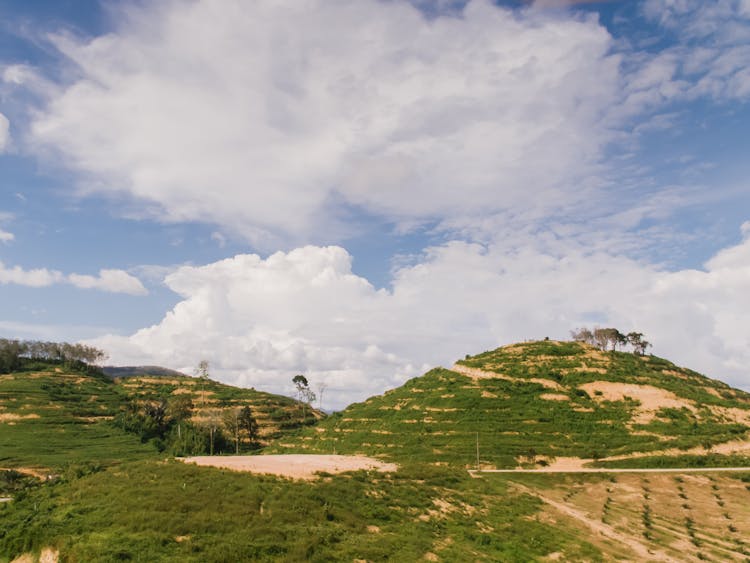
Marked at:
<point>361,190</point>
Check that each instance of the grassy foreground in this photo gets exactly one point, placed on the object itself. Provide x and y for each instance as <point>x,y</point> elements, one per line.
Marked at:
<point>169,511</point>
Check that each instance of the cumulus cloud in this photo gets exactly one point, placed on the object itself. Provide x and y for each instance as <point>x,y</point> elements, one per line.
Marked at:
<point>254,116</point>
<point>259,322</point>
<point>4,132</point>
<point>113,281</point>
<point>39,277</point>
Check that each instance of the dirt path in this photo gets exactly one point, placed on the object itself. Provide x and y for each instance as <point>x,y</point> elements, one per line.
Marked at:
<point>474,472</point>
<point>297,466</point>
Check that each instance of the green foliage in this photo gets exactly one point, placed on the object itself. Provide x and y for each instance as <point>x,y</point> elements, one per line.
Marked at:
<point>680,461</point>
<point>151,511</point>
<point>439,417</point>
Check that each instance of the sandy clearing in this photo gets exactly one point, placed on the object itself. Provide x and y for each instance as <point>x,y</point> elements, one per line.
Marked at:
<point>651,398</point>
<point>476,373</point>
<point>11,417</point>
<point>554,397</point>
<point>297,466</point>
<point>734,414</point>
<point>48,555</point>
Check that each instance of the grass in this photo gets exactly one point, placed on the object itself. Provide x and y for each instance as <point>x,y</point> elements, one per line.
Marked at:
<point>55,418</point>
<point>51,417</point>
<point>679,461</point>
<point>115,499</point>
<point>153,511</point>
<point>439,416</point>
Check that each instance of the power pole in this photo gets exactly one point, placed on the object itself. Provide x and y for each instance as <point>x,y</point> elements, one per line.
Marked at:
<point>477,451</point>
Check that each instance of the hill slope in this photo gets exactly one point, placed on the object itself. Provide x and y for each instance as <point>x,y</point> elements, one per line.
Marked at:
<point>537,401</point>
<point>51,416</point>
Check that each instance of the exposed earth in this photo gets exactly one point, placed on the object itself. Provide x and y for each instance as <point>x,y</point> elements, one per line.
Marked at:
<point>296,466</point>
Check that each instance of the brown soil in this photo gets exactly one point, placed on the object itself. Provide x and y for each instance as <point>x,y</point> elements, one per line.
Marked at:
<point>651,399</point>
<point>12,417</point>
<point>296,466</point>
<point>476,373</point>
<point>554,397</point>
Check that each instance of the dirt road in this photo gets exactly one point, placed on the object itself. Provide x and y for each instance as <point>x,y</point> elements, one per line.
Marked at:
<point>612,470</point>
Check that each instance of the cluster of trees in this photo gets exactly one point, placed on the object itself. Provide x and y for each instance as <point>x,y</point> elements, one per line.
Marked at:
<point>170,425</point>
<point>611,338</point>
<point>15,353</point>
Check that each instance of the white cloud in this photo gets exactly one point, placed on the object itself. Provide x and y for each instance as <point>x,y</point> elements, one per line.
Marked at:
<point>6,237</point>
<point>113,281</point>
<point>253,115</point>
<point>259,322</point>
<point>39,277</point>
<point>4,132</point>
<point>714,46</point>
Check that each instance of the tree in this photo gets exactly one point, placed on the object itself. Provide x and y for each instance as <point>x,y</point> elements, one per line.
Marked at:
<point>202,373</point>
<point>248,424</point>
<point>179,409</point>
<point>635,339</point>
<point>583,335</point>
<point>231,419</point>
<point>322,386</point>
<point>213,423</point>
<point>305,395</point>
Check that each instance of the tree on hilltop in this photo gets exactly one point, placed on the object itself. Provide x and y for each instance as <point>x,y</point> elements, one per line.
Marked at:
<point>604,338</point>
<point>305,395</point>
<point>636,340</point>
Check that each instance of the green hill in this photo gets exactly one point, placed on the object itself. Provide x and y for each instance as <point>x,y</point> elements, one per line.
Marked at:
<point>535,402</point>
<point>52,416</point>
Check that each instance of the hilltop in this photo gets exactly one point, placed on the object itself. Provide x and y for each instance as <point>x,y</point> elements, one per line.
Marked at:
<point>534,403</point>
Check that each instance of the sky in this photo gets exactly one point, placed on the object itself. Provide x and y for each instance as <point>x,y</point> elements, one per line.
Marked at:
<point>360,191</point>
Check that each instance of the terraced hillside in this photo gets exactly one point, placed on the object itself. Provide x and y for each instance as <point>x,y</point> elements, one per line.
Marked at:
<point>536,403</point>
<point>51,417</point>
<point>275,414</point>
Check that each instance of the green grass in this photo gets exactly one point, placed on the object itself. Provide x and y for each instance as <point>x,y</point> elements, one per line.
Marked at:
<point>680,461</point>
<point>51,417</point>
<point>439,416</point>
<point>63,419</point>
<point>139,511</point>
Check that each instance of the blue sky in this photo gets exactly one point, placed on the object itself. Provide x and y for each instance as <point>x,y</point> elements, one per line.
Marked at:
<point>359,191</point>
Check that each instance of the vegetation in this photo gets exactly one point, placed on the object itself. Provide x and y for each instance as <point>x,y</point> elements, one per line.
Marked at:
<point>115,494</point>
<point>16,354</point>
<point>529,406</point>
<point>174,512</point>
<point>52,415</point>
<point>604,337</point>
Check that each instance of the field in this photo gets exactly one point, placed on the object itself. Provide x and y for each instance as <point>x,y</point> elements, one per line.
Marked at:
<point>655,516</point>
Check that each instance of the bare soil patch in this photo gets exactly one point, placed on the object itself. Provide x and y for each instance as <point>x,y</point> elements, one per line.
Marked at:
<point>554,397</point>
<point>476,373</point>
<point>296,466</point>
<point>651,398</point>
<point>12,417</point>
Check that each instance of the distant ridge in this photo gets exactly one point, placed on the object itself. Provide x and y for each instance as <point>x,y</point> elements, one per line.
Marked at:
<point>132,371</point>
